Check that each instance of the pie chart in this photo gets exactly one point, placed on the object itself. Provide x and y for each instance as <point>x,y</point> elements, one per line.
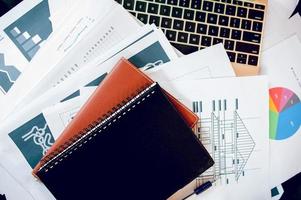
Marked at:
<point>285,113</point>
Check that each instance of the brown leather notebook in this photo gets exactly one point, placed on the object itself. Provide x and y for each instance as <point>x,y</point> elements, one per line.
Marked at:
<point>114,90</point>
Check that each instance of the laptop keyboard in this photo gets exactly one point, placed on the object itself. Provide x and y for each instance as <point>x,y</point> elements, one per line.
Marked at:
<point>191,25</point>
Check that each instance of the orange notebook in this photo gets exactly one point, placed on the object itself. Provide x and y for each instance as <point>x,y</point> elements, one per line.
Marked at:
<point>114,90</point>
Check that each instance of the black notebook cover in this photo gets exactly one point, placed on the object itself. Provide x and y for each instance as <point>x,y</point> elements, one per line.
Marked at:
<point>144,150</point>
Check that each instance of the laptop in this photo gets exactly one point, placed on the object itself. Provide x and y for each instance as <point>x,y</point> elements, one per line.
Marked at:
<point>191,25</point>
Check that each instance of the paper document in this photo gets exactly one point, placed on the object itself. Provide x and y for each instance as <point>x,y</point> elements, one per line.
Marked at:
<point>76,25</point>
<point>11,188</point>
<point>23,31</point>
<point>233,128</point>
<point>282,64</point>
<point>60,115</point>
<point>211,62</point>
<point>279,26</point>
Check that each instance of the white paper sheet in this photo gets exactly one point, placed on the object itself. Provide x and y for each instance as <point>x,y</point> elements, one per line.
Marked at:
<point>77,23</point>
<point>60,115</point>
<point>23,31</point>
<point>282,64</point>
<point>19,130</point>
<point>11,188</point>
<point>211,62</point>
<point>278,25</point>
<point>233,128</point>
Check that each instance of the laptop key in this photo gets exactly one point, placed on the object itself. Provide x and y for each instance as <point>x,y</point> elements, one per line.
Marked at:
<point>247,47</point>
<point>177,12</point>
<point>235,22</point>
<point>185,49</point>
<point>257,26</point>
<point>246,24</point>
<point>232,56</point>
<point>230,10</point>
<point>206,41</point>
<point>153,8</point>
<point>172,2</point>
<point>182,37</point>
<point>154,20</point>
<point>166,22</point>
<point>196,4</point>
<point>224,32</point>
<point>129,4</point>
<point>160,1</point>
<point>253,60</point>
<point>143,18</point>
<point>259,6</point>
<point>165,10</point>
<point>229,44</point>
<point>236,2</point>
<point>194,39</point>
<point>242,12</point>
<point>140,6</point>
<point>208,6</point>
<point>251,37</point>
<point>219,8</point>
<point>255,14</point>
<point>217,41</point>
<point>248,4</point>
<point>190,26</point>
<point>184,3</point>
<point>212,18</point>
<point>200,16</point>
<point>236,34</point>
<point>213,30</point>
<point>241,58</point>
<point>202,28</point>
<point>189,14</point>
<point>223,20</point>
<point>171,35</point>
<point>178,24</point>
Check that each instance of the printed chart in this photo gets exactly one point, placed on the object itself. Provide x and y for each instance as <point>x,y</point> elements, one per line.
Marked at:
<point>285,113</point>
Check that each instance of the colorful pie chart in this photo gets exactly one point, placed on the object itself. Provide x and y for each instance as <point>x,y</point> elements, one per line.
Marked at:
<point>285,113</point>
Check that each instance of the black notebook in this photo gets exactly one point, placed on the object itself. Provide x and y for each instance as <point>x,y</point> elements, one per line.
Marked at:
<point>143,150</point>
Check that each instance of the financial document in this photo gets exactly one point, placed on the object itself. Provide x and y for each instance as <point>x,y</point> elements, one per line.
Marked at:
<point>234,129</point>
<point>282,64</point>
<point>39,31</point>
<point>23,32</point>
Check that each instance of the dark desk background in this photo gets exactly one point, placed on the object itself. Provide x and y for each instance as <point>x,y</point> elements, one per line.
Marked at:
<point>6,5</point>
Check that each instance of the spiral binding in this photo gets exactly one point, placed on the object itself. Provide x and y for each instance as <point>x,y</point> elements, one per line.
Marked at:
<point>98,122</point>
